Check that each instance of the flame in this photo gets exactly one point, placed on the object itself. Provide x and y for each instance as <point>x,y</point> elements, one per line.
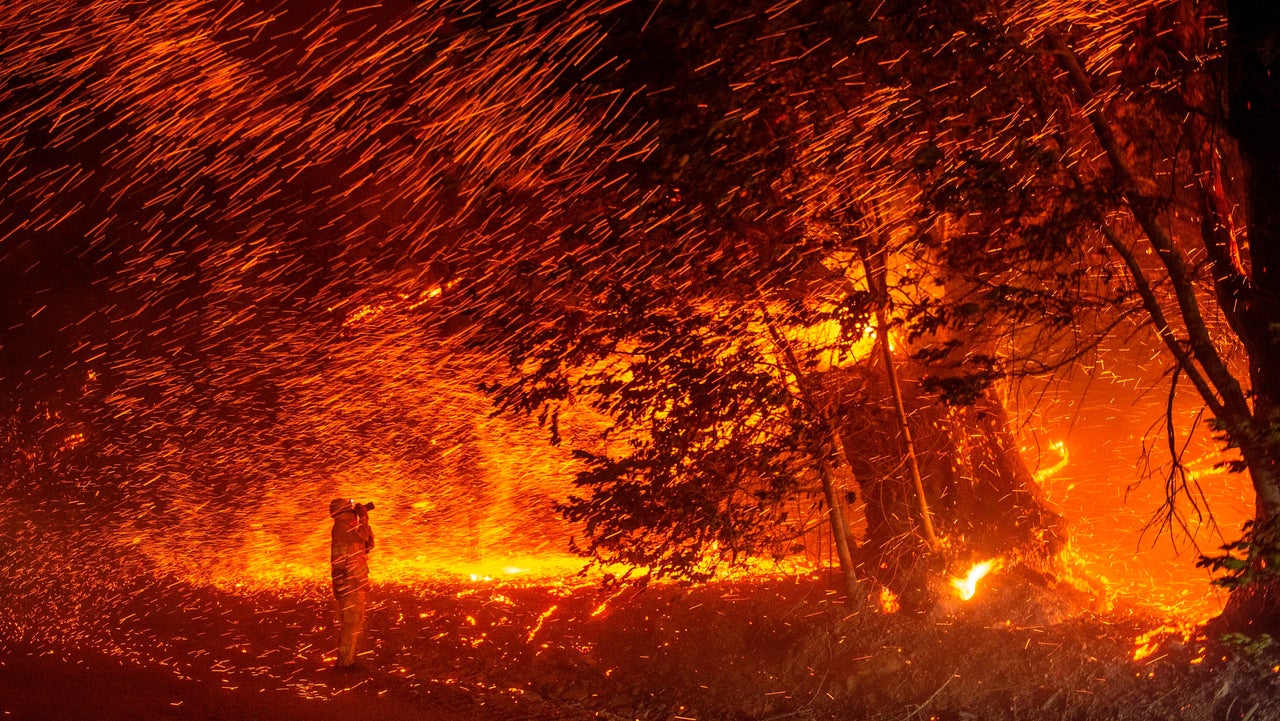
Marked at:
<point>1064,457</point>
<point>968,585</point>
<point>888,601</point>
<point>1181,631</point>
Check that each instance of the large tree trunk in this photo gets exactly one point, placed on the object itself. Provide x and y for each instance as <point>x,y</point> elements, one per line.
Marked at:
<point>993,501</point>
<point>1256,605</point>
<point>1253,59</point>
<point>984,499</point>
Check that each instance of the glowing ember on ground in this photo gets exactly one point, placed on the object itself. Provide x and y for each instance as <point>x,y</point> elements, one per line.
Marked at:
<point>888,601</point>
<point>542,618</point>
<point>1179,632</point>
<point>966,587</point>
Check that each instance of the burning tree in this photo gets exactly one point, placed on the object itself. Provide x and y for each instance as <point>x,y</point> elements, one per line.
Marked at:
<point>1124,146</point>
<point>737,302</point>
<point>1047,171</point>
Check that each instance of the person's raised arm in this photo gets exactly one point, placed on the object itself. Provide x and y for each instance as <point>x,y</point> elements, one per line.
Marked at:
<point>364,531</point>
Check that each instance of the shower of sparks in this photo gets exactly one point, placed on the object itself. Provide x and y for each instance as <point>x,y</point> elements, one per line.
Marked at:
<point>257,201</point>
<point>226,224</point>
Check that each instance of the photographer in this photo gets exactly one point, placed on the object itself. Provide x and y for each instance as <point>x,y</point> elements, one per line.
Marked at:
<point>352,540</point>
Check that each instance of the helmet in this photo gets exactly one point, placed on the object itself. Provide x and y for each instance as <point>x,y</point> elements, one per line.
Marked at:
<point>338,505</point>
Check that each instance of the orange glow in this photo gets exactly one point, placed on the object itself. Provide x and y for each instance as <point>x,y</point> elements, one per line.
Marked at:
<point>888,601</point>
<point>1059,448</point>
<point>1148,643</point>
<point>538,626</point>
<point>966,587</point>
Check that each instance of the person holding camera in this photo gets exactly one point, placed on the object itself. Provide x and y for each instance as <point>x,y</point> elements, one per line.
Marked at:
<point>352,539</point>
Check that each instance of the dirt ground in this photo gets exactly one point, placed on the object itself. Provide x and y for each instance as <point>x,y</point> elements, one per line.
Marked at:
<point>98,688</point>
<point>763,649</point>
<point>49,689</point>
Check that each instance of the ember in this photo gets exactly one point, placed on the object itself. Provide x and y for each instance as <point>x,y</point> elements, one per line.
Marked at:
<point>889,601</point>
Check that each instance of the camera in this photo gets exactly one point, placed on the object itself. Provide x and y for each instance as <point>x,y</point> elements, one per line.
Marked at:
<point>364,507</point>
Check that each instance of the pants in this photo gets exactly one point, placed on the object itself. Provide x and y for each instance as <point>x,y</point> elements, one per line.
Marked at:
<point>351,619</point>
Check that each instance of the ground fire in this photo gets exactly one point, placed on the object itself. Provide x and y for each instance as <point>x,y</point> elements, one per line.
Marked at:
<point>692,360</point>
<point>968,585</point>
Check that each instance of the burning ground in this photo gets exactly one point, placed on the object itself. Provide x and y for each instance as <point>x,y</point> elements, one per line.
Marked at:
<point>93,631</point>
<point>135,645</point>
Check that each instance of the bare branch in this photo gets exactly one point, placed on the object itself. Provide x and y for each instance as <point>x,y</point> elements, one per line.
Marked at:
<point>1227,388</point>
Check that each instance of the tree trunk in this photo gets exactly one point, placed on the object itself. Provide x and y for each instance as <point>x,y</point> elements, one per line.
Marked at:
<point>986,502</point>
<point>875,270</point>
<point>840,534</point>
<point>1253,66</point>
<point>993,501</point>
<point>1255,606</point>
<point>830,445</point>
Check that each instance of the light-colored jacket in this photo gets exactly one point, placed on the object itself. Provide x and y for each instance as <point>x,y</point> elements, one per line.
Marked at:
<point>352,539</point>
